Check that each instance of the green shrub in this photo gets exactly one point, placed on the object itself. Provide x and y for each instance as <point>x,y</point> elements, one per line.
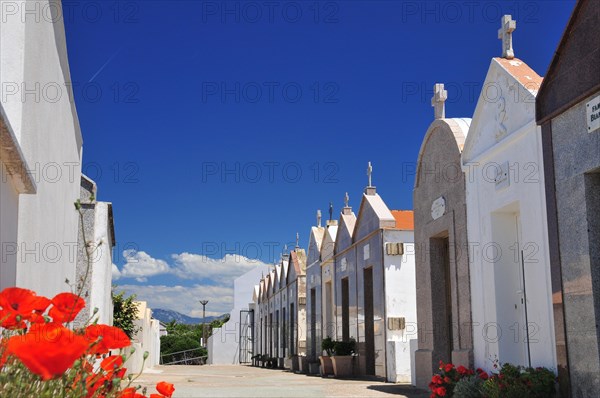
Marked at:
<point>344,347</point>
<point>469,387</point>
<point>519,382</point>
<point>328,345</point>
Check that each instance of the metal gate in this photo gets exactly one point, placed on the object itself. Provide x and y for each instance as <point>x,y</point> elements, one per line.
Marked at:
<point>246,336</point>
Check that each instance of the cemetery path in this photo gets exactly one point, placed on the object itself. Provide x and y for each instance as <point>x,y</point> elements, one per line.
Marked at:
<point>246,381</point>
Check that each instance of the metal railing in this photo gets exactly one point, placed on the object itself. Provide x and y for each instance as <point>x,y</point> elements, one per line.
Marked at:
<point>184,357</point>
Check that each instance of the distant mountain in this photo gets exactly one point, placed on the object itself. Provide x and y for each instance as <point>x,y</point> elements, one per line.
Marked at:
<point>166,316</point>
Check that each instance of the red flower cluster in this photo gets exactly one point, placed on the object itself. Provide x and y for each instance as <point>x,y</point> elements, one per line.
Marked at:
<point>49,349</point>
<point>442,384</point>
<point>165,391</point>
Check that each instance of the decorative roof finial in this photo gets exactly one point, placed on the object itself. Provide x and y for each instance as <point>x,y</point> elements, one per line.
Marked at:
<point>297,240</point>
<point>319,218</point>
<point>507,26</point>
<point>346,200</point>
<point>370,173</point>
<point>330,211</point>
<point>438,101</point>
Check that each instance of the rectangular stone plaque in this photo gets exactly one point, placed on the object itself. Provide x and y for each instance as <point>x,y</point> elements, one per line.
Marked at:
<point>366,252</point>
<point>396,323</point>
<point>592,110</point>
<point>344,265</point>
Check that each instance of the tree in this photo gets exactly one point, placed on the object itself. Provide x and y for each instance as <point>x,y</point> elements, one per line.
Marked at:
<point>125,312</point>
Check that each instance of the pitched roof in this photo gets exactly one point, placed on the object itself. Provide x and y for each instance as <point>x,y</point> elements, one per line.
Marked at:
<point>522,73</point>
<point>405,219</point>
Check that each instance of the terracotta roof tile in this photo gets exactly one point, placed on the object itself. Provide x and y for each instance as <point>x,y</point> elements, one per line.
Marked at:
<point>522,72</point>
<point>405,219</point>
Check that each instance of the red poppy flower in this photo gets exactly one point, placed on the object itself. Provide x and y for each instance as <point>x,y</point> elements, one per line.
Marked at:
<point>17,305</point>
<point>65,307</point>
<point>113,365</point>
<point>157,396</point>
<point>112,338</point>
<point>130,393</point>
<point>47,349</point>
<point>41,304</point>
<point>448,367</point>
<point>165,388</point>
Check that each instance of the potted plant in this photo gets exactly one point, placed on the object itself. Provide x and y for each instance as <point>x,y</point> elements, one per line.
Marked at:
<point>288,362</point>
<point>343,358</point>
<point>303,364</point>
<point>295,363</point>
<point>328,346</point>
<point>264,359</point>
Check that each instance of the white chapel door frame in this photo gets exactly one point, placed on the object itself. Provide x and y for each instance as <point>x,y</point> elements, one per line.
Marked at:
<point>522,331</point>
<point>509,286</point>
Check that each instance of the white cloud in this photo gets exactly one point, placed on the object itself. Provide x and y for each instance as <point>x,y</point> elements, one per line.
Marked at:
<point>221,271</point>
<point>184,299</point>
<point>140,265</point>
<point>116,274</point>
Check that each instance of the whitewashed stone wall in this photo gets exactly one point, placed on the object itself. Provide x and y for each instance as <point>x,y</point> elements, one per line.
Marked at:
<point>46,127</point>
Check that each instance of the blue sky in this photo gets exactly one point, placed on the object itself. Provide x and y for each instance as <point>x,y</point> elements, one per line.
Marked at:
<point>219,128</point>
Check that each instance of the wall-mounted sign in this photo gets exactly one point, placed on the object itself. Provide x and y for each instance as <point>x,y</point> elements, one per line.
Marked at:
<point>438,208</point>
<point>592,110</point>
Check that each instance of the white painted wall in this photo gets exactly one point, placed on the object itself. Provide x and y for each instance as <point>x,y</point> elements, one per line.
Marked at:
<point>34,57</point>
<point>496,278</point>
<point>146,340</point>
<point>100,296</point>
<point>9,208</point>
<point>401,301</point>
<point>223,345</point>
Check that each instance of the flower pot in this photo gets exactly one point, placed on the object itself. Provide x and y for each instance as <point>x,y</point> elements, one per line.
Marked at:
<point>342,365</point>
<point>303,364</point>
<point>295,363</point>
<point>326,366</point>
<point>313,368</point>
<point>287,363</point>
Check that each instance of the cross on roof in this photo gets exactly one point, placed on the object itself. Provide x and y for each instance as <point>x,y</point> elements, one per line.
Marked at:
<point>438,101</point>
<point>370,173</point>
<point>507,26</point>
<point>346,199</point>
<point>297,240</point>
<point>318,218</point>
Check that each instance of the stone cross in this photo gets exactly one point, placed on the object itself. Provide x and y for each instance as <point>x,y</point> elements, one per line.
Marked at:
<point>318,218</point>
<point>370,173</point>
<point>507,26</point>
<point>438,101</point>
<point>297,240</point>
<point>346,199</point>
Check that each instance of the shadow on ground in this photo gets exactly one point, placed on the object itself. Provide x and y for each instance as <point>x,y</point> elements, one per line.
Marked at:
<point>395,389</point>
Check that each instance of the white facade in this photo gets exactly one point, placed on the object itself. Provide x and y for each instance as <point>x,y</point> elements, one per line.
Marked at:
<point>101,282</point>
<point>146,340</point>
<point>506,219</point>
<point>224,344</point>
<point>38,108</point>
<point>400,302</point>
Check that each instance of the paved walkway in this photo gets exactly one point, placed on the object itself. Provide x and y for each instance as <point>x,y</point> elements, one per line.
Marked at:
<point>246,381</point>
